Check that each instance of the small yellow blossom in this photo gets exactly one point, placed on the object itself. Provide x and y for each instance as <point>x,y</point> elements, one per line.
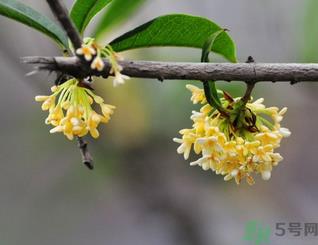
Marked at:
<point>97,64</point>
<point>119,78</point>
<point>116,68</point>
<point>237,150</point>
<point>70,110</point>
<point>87,50</point>
<point>186,142</point>
<point>197,94</point>
<point>94,53</point>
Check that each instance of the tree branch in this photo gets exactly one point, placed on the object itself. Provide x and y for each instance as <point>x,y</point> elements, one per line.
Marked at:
<point>61,14</point>
<point>248,72</point>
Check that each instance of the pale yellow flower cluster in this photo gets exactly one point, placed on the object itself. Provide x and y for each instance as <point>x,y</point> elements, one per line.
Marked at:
<point>90,50</point>
<point>237,149</point>
<point>70,110</point>
<point>116,68</point>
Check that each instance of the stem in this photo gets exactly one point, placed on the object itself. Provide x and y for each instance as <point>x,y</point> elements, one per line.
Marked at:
<point>249,84</point>
<point>212,101</point>
<point>210,91</point>
<point>247,96</point>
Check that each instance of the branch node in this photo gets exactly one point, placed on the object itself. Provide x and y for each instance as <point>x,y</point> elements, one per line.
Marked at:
<point>250,59</point>
<point>161,78</point>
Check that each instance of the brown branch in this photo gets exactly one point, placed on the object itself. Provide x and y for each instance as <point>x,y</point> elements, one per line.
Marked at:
<point>86,156</point>
<point>61,14</point>
<point>287,72</point>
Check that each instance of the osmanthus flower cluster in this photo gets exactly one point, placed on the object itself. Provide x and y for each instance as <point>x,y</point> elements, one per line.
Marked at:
<point>93,53</point>
<point>71,103</point>
<point>70,109</point>
<point>237,145</point>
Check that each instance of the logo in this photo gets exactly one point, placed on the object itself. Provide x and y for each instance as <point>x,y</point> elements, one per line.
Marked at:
<point>257,233</point>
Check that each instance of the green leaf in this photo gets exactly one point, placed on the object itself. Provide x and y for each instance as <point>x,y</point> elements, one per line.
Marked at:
<point>28,16</point>
<point>84,10</point>
<point>177,30</point>
<point>208,45</point>
<point>118,12</point>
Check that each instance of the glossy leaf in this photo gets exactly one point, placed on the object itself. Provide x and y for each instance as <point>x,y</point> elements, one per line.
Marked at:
<point>83,11</point>
<point>208,45</point>
<point>177,30</point>
<point>117,12</point>
<point>28,16</point>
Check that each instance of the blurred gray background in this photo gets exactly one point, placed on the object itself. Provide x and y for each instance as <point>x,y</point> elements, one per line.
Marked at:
<point>141,191</point>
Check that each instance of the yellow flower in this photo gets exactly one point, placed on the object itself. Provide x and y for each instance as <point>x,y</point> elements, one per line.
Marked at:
<point>116,68</point>
<point>285,132</point>
<point>91,50</point>
<point>73,115</point>
<point>199,122</point>
<point>209,145</point>
<point>55,116</point>
<point>87,51</point>
<point>48,101</point>
<point>265,169</point>
<point>236,150</point>
<point>119,79</point>
<point>107,111</point>
<point>208,162</point>
<point>206,109</point>
<point>269,138</point>
<point>186,142</point>
<point>230,148</point>
<point>197,94</point>
<point>97,64</point>
<point>262,153</point>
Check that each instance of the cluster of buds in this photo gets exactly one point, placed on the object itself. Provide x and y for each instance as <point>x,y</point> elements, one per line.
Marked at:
<point>93,53</point>
<point>70,109</point>
<point>237,146</point>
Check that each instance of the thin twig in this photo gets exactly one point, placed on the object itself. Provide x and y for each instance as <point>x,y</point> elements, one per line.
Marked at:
<point>61,14</point>
<point>249,88</point>
<point>287,72</point>
<point>249,84</point>
<point>86,156</point>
